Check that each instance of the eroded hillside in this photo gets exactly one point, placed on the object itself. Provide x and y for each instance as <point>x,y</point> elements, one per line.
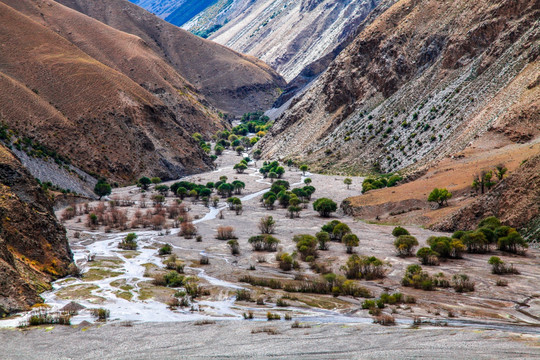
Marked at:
<point>419,83</point>
<point>232,82</point>
<point>33,245</point>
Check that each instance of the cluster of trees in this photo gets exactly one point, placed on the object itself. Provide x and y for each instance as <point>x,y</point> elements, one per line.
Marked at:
<point>337,231</point>
<point>255,122</point>
<point>272,170</point>
<point>486,179</point>
<point>291,200</point>
<point>387,180</point>
<point>364,267</point>
<point>225,140</point>
<point>489,233</point>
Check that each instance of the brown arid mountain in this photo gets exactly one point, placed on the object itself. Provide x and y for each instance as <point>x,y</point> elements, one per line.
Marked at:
<point>420,84</point>
<point>230,81</point>
<point>33,245</point>
<point>417,84</point>
<point>96,95</point>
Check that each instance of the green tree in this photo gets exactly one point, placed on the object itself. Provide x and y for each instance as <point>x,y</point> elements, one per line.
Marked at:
<point>306,246</point>
<point>307,181</point>
<point>350,241</point>
<point>500,171</point>
<point>340,230</point>
<point>145,182</point>
<point>181,192</point>
<point>239,150</point>
<point>398,231</point>
<point>324,207</point>
<point>347,182</point>
<point>240,168</point>
<point>102,188</point>
<point>303,169</point>
<point>427,256</point>
<point>323,238</point>
<point>405,244</point>
<point>440,196</point>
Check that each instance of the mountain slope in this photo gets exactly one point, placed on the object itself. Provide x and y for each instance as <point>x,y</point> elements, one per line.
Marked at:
<point>288,35</point>
<point>67,100</point>
<point>232,82</point>
<point>33,245</point>
<point>418,84</point>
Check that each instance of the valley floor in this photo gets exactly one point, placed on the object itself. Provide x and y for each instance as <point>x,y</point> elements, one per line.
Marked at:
<point>257,340</point>
<point>491,320</point>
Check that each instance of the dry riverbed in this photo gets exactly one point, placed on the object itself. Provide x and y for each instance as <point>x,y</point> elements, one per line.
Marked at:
<point>119,280</point>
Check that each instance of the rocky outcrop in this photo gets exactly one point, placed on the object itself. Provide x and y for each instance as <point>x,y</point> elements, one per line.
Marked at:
<point>514,200</point>
<point>33,245</point>
<point>417,84</point>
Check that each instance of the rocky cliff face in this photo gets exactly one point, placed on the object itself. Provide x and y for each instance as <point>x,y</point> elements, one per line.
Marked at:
<point>418,83</point>
<point>230,81</point>
<point>288,35</point>
<point>33,245</point>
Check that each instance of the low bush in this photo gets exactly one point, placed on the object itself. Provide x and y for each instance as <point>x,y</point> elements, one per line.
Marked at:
<point>129,242</point>
<point>225,233</point>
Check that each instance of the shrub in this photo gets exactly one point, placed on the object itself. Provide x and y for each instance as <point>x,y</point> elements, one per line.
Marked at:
<point>165,249</point>
<point>446,247</point>
<point>350,241</point>
<point>329,227</point>
<point>306,246</point>
<point>405,245</point>
<point>428,256</point>
<point>267,225</point>
<point>490,222</point>
<point>234,246</point>
<point>174,279</point>
<point>324,207</point>
<point>476,242</point>
<point>264,243</point>
<point>462,283</point>
<point>384,319</point>
<point>513,242</point>
<point>286,262</point>
<point>225,233</point>
<point>398,231</point>
<point>270,316</point>
<point>500,268</point>
<point>282,303</point>
<point>101,314</point>
<point>415,277</point>
<point>243,295</point>
<point>363,267</point>
<point>129,242</point>
<point>339,231</point>
<point>323,238</point>
<point>187,229</point>
<point>204,260</point>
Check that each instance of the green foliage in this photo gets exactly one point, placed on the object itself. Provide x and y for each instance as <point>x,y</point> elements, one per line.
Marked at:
<point>350,241</point>
<point>405,244</point>
<point>144,182</point>
<point>363,267</point>
<point>387,180</point>
<point>129,242</point>
<point>165,249</point>
<point>440,196</point>
<point>398,231</point>
<point>102,188</point>
<point>263,242</point>
<point>339,231</point>
<point>240,168</point>
<point>323,238</point>
<point>446,247</point>
<point>427,256</point>
<point>324,207</point>
<point>306,245</point>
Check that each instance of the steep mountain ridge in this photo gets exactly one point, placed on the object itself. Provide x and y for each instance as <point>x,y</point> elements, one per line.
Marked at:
<point>68,101</point>
<point>417,84</point>
<point>33,245</point>
<point>230,81</point>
